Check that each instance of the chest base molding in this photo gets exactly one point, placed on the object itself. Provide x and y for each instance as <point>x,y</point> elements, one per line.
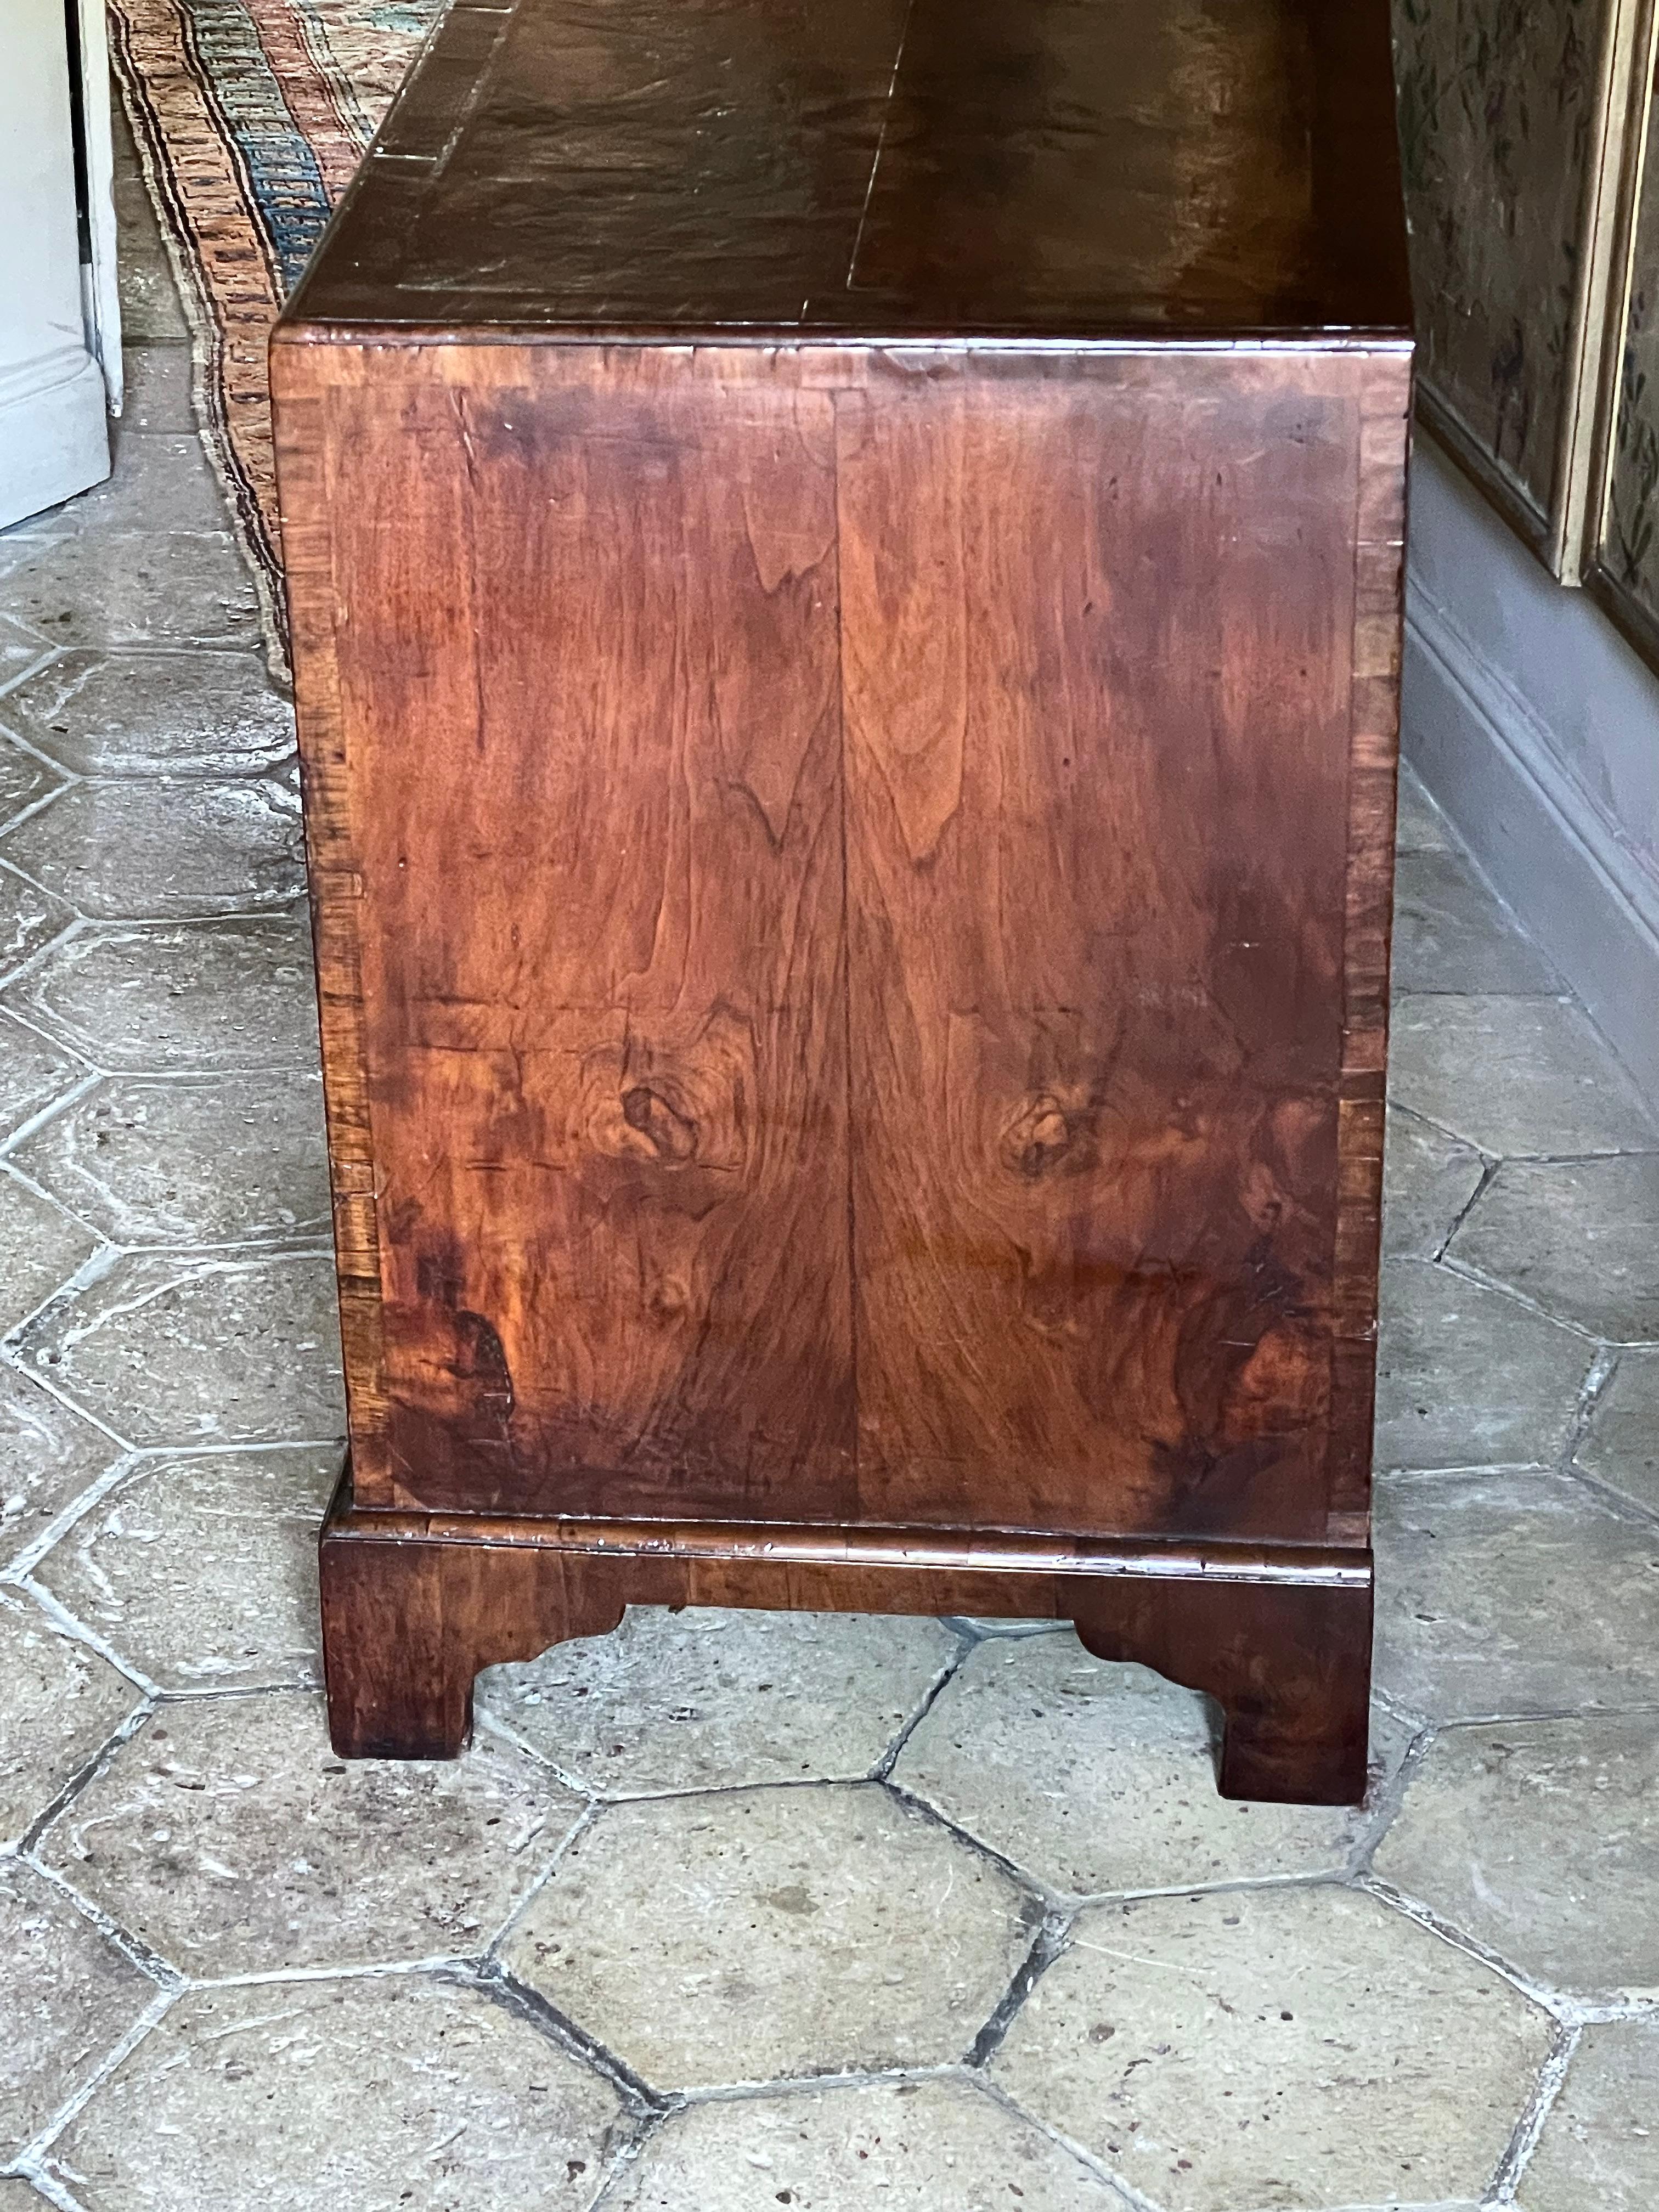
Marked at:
<point>415,1604</point>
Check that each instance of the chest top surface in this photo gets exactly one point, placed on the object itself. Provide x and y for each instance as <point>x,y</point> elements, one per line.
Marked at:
<point>1090,169</point>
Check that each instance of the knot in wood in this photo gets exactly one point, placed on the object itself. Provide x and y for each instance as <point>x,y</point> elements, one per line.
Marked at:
<point>1038,1139</point>
<point>671,1134</point>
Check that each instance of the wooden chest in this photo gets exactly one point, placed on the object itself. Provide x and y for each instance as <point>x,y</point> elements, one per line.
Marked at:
<point>845,570</point>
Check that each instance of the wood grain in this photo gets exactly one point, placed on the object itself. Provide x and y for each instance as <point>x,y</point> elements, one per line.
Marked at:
<point>589,683</point>
<point>1095,1193</point>
<point>1097,708</point>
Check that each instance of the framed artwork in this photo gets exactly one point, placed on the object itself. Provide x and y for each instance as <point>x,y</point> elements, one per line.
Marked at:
<point>1622,568</point>
<point>1513,126</point>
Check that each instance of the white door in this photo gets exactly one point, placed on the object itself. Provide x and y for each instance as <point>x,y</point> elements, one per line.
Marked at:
<point>54,438</point>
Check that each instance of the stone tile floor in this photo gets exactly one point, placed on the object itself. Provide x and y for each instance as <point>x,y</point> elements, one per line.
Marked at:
<point>746,1911</point>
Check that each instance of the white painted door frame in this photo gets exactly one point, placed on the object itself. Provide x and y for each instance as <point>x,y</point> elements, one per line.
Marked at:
<point>54,436</point>
<point>103,301</point>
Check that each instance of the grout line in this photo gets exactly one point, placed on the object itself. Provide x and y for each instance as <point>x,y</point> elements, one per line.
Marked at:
<point>1128,2194</point>
<point>71,928</point>
<point>22,1563</point>
<point>66,782</point>
<point>49,653</point>
<point>1390,1799</point>
<point>35,2151</point>
<point>1046,1944</point>
<point>87,1772</point>
<point>1489,1167</point>
<point>1506,2176</point>
<point>27,1019</point>
<point>1550,1715</point>
<point>617,2164</point>
<point>1561,2005</point>
<point>490,1723</point>
<point>1609,1494</point>
<point>438,1965</point>
<point>37,1121</point>
<point>1032,1887</point>
<point>537,2011</point>
<point>47,2183</point>
<point>76,1632</point>
<point>492,1952</point>
<point>11,1363</point>
<point>884,1766</point>
<point>1600,1373</point>
<point>1466,1273</point>
<point>784,2086</point>
<point>137,1953</point>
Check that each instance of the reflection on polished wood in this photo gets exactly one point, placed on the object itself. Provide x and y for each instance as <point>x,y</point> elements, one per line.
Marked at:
<point>851,858</point>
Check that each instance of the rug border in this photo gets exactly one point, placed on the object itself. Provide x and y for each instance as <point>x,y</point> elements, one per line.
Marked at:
<point>207,351</point>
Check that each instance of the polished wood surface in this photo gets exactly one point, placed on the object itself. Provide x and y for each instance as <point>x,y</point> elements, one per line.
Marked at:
<point>1096,961</point>
<point>852,863</point>
<point>414,1606</point>
<point>859,1008</point>
<point>1188,166</point>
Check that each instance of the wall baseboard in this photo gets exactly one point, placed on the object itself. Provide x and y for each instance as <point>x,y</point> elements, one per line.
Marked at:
<point>54,433</point>
<point>1486,756</point>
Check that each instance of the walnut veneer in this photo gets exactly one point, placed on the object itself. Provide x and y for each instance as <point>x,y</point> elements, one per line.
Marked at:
<point>845,567</point>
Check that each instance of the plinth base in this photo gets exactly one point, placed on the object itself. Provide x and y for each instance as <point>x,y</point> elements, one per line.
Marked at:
<point>414,1604</point>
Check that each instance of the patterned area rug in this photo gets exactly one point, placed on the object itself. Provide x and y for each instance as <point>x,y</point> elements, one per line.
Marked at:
<point>249,117</point>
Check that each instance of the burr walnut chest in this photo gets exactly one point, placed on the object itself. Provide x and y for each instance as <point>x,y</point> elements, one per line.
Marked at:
<point>844,563</point>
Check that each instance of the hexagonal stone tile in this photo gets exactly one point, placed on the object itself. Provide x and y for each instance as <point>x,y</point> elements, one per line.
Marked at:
<point>195,1348</point>
<point>228,1836</point>
<point>157,376</point>
<point>1580,1236</point>
<point>29,918</point>
<point>21,649</point>
<point>24,780</point>
<point>1095,1777</point>
<point>1515,1076</point>
<point>920,2145</point>
<point>1428,1178</point>
<point>705,1699</point>
<point>48,1456</point>
<point>1450,933</point>
<point>1513,1593</point>
<point>359,2095</point>
<point>205,1160</point>
<point>34,1071</point>
<point>166,848</point>
<point>1599,2151</point>
<point>1468,1377</point>
<point>67,1998</point>
<point>1542,1839</point>
<point>122,587</point>
<point>40,1247</point>
<point>773,1932</point>
<point>160,482</point>
<point>1622,1447</point>
<point>143,713</point>
<point>152,319</point>
<point>61,1704</point>
<point>212,996</point>
<point>1276,2048</point>
<point>203,1571</point>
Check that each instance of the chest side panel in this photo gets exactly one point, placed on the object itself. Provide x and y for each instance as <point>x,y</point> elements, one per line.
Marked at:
<point>586,663</point>
<point>1099,621</point>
